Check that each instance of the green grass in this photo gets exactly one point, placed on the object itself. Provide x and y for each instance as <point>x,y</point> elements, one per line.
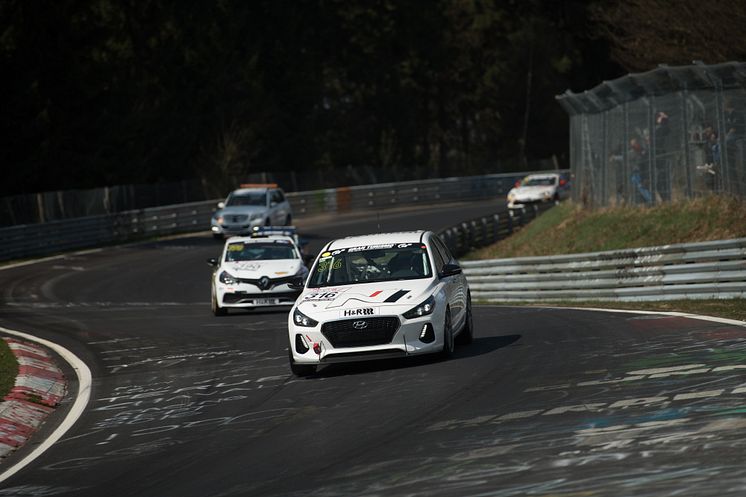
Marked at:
<point>8,369</point>
<point>568,229</point>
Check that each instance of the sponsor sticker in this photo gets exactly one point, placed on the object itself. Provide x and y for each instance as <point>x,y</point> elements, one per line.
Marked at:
<point>360,312</point>
<point>235,247</point>
<point>370,247</point>
<point>326,254</point>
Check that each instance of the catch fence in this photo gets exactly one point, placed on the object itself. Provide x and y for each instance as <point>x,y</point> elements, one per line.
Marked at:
<point>667,134</point>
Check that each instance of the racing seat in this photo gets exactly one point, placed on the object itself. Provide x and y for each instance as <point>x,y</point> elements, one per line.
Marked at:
<point>403,265</point>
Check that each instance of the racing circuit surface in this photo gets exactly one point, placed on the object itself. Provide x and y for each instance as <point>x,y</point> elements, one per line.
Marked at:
<point>543,402</point>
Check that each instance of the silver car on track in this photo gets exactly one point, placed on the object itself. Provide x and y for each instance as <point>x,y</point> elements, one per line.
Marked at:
<point>249,206</point>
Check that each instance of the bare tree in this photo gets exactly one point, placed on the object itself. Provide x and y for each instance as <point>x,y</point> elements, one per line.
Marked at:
<point>645,33</point>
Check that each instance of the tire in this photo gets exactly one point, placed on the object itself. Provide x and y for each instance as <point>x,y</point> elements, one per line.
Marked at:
<point>218,236</point>
<point>448,342</point>
<point>216,309</point>
<point>289,220</point>
<point>300,370</point>
<point>467,332</point>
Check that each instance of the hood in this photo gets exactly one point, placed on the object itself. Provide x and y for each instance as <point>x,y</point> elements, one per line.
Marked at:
<point>406,293</point>
<point>242,209</point>
<point>269,268</point>
<point>532,191</point>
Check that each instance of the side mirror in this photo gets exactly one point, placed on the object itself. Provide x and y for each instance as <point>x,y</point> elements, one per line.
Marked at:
<point>297,283</point>
<point>221,205</point>
<point>212,261</point>
<point>450,270</point>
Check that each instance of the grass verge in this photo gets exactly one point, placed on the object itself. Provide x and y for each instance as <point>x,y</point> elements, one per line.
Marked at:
<point>8,369</point>
<point>568,229</point>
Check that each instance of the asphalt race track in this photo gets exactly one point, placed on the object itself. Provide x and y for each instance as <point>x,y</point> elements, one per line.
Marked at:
<point>544,402</point>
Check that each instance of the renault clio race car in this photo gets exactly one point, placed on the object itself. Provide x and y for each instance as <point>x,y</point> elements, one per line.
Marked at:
<point>256,271</point>
<point>379,296</point>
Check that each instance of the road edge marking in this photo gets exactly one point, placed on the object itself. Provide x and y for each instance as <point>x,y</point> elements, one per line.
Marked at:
<point>81,401</point>
<point>701,317</point>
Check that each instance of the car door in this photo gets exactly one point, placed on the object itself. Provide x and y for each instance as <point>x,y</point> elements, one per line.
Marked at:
<point>277,208</point>
<point>455,285</point>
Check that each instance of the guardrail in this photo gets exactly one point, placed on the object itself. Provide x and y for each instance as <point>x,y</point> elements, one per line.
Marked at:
<point>485,230</point>
<point>32,240</point>
<point>702,270</point>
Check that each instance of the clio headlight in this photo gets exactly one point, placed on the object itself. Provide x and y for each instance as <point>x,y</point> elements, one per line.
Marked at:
<point>227,279</point>
<point>301,319</point>
<point>425,308</point>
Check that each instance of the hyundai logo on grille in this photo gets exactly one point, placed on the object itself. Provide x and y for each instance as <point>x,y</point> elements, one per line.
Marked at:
<point>359,325</point>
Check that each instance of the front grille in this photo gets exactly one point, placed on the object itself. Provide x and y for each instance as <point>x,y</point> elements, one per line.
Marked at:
<point>377,331</point>
<point>240,218</point>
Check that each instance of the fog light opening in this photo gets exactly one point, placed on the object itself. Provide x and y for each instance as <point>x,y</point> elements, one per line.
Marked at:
<point>427,334</point>
<point>300,344</point>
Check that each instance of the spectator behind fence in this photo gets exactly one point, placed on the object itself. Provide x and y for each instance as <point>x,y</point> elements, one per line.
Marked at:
<point>735,128</point>
<point>662,175</point>
<point>639,162</point>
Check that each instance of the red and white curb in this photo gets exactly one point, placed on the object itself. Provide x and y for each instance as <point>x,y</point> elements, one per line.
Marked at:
<point>39,388</point>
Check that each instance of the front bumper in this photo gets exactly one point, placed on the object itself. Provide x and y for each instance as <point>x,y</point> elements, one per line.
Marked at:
<point>242,229</point>
<point>247,298</point>
<point>404,341</point>
<point>517,204</point>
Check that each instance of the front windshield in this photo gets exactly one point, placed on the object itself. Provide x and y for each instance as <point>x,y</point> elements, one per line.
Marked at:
<point>539,182</point>
<point>250,198</point>
<point>401,261</point>
<point>240,251</point>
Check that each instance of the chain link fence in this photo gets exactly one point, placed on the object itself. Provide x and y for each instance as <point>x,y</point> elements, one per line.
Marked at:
<point>667,134</point>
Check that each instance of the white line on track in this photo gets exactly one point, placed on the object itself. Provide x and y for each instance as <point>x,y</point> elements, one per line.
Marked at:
<point>656,313</point>
<point>81,400</point>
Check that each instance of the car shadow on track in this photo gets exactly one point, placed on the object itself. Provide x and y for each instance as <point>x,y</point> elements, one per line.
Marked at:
<point>480,346</point>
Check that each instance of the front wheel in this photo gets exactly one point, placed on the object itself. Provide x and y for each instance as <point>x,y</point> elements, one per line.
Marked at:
<point>300,370</point>
<point>448,342</point>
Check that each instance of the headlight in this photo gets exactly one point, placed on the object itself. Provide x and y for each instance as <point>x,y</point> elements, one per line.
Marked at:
<point>227,278</point>
<point>218,219</point>
<point>255,216</point>
<point>425,308</point>
<point>511,196</point>
<point>547,194</point>
<point>301,319</point>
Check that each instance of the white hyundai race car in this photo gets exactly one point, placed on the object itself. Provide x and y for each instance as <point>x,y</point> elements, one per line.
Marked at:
<point>257,271</point>
<point>379,296</point>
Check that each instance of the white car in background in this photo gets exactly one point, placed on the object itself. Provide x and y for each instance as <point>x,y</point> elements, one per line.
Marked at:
<point>379,296</point>
<point>257,271</point>
<point>250,206</point>
<point>539,188</point>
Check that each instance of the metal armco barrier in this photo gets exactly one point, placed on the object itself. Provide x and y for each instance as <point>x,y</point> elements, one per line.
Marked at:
<point>485,230</point>
<point>683,271</point>
<point>33,240</point>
